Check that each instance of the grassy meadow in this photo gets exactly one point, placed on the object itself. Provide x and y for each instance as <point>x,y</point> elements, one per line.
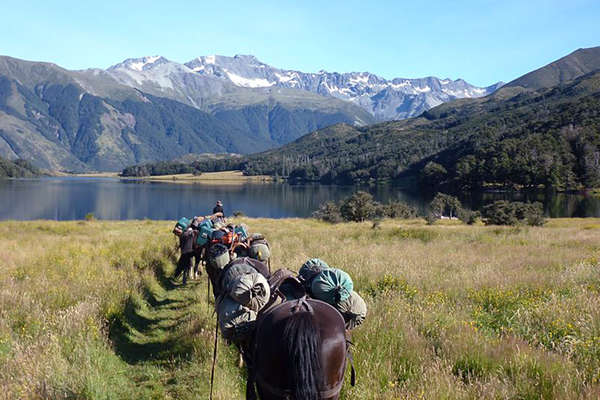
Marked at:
<point>455,311</point>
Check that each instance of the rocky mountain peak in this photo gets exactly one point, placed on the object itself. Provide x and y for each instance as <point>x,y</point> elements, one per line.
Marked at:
<point>384,99</point>
<point>140,64</point>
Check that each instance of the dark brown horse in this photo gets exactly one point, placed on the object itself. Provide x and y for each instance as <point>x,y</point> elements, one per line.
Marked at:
<point>300,352</point>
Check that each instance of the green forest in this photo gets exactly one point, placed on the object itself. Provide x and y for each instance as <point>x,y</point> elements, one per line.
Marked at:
<point>17,169</point>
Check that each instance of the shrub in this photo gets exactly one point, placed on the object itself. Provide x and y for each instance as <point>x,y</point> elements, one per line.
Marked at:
<point>329,212</point>
<point>430,218</point>
<point>398,209</point>
<point>503,212</point>
<point>89,216</point>
<point>238,213</point>
<point>468,216</point>
<point>358,207</point>
<point>376,224</point>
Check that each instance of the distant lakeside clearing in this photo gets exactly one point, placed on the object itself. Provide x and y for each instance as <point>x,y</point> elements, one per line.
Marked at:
<point>222,177</point>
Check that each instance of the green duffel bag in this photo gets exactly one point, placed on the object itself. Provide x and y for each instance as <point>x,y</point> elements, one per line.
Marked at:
<point>310,269</point>
<point>231,273</point>
<point>241,231</point>
<point>218,256</point>
<point>182,224</point>
<point>331,286</point>
<point>259,250</point>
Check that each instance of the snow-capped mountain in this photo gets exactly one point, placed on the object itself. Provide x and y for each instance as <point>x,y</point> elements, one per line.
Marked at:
<point>162,77</point>
<point>384,99</point>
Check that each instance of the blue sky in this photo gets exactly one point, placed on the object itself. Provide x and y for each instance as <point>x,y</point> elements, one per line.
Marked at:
<point>479,41</point>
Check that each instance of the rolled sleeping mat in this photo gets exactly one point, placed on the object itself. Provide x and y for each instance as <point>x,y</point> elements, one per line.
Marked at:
<point>250,290</point>
<point>235,320</point>
<point>353,309</point>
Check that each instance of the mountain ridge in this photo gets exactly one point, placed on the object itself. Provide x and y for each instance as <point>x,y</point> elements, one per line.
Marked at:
<point>578,63</point>
<point>515,137</point>
<point>384,99</point>
<point>87,120</point>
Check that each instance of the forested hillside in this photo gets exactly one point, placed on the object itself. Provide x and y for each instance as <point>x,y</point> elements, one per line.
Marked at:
<point>515,137</point>
<point>86,120</point>
<point>542,129</point>
<point>17,169</point>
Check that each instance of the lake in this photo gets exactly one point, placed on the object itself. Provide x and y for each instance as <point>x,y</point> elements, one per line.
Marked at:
<point>69,198</point>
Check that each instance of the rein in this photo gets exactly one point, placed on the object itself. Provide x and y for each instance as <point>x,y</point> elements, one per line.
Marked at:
<point>212,372</point>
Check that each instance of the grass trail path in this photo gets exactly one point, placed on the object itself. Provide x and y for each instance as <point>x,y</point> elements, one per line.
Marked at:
<point>165,335</point>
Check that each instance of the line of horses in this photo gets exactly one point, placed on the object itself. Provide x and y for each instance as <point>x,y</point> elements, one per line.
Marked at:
<point>298,350</point>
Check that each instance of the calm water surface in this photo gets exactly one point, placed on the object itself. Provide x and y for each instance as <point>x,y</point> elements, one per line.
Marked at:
<point>109,198</point>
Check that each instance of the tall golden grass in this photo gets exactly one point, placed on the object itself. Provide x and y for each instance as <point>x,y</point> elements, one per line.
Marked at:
<point>455,311</point>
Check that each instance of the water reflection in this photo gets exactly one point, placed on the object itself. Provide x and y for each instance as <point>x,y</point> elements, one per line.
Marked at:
<point>107,198</point>
<point>555,204</point>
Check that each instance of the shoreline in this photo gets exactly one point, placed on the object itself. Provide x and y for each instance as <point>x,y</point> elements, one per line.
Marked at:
<point>224,177</point>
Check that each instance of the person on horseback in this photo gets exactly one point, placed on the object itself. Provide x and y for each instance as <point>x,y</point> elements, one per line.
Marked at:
<point>218,207</point>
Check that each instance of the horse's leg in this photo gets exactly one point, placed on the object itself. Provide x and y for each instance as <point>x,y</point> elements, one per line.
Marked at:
<point>187,268</point>
<point>197,271</point>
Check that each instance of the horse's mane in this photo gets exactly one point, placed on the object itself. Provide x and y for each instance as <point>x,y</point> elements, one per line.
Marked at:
<point>303,343</point>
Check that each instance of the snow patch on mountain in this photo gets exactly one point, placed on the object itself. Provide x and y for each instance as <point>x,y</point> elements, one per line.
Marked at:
<point>139,65</point>
<point>247,82</point>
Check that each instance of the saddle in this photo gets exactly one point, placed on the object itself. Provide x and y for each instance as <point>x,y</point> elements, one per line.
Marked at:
<point>284,286</point>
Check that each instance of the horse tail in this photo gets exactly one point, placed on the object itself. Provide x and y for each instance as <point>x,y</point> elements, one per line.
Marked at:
<point>303,343</point>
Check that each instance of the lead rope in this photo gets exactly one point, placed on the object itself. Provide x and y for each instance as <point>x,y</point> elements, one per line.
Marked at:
<point>208,290</point>
<point>212,372</point>
<point>351,359</point>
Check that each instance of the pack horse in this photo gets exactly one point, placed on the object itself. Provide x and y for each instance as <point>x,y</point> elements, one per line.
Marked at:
<point>300,352</point>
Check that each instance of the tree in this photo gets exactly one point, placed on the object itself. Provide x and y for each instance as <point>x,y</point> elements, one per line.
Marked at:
<point>433,174</point>
<point>358,207</point>
<point>444,204</point>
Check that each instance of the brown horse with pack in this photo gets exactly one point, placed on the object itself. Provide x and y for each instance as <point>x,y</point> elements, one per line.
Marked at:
<point>296,348</point>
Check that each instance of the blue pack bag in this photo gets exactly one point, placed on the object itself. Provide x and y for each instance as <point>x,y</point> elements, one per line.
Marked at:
<point>205,230</point>
<point>182,224</point>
